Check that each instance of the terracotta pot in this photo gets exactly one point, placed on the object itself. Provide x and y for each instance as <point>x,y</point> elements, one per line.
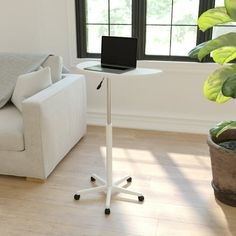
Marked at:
<point>223,163</point>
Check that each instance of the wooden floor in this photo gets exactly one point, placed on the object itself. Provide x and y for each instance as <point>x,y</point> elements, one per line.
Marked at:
<point>171,170</point>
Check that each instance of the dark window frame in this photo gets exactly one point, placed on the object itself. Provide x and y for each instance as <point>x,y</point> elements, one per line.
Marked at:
<point>138,30</point>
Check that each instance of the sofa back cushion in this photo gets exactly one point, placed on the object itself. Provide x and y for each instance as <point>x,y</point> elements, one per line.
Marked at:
<point>11,66</point>
<point>29,84</point>
<point>56,64</point>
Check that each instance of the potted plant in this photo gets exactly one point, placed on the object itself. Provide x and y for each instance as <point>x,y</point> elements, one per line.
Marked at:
<point>220,87</point>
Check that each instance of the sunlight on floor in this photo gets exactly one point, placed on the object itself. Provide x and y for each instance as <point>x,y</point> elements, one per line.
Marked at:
<point>189,160</point>
<point>179,170</point>
<point>131,154</point>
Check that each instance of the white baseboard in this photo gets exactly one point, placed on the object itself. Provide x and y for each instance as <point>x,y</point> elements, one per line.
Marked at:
<point>152,122</point>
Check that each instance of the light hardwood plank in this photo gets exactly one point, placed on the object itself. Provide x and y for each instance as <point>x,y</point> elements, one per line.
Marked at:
<point>172,170</point>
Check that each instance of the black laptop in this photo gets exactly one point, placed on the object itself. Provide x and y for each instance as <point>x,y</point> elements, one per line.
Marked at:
<point>118,55</point>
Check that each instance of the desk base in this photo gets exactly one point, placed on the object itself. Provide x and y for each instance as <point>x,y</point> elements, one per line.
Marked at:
<point>109,190</point>
<point>109,186</point>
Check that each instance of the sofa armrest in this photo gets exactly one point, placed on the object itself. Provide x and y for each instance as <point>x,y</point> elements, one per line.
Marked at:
<point>54,121</point>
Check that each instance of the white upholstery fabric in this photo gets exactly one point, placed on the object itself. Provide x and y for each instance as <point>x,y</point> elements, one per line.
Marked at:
<point>11,66</point>
<point>54,120</point>
<point>11,129</point>
<point>56,65</point>
<point>30,84</point>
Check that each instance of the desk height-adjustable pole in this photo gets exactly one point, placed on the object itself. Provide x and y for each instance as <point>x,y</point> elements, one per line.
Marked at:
<point>109,136</point>
<point>108,146</point>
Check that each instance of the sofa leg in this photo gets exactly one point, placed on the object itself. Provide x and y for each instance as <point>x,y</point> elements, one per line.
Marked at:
<point>30,179</point>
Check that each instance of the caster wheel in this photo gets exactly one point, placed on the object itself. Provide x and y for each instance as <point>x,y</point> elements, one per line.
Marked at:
<point>107,211</point>
<point>129,180</point>
<point>76,197</point>
<point>92,179</point>
<point>141,198</point>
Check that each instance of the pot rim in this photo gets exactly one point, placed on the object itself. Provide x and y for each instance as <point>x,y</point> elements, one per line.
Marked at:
<point>220,148</point>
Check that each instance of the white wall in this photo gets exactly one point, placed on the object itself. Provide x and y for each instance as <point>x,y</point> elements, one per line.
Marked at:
<point>35,26</point>
<point>19,26</point>
<point>172,101</point>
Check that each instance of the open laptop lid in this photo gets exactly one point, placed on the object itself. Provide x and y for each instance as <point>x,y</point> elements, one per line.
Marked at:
<point>119,51</point>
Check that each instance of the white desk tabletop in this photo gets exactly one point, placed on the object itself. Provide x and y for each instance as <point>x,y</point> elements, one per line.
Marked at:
<point>139,71</point>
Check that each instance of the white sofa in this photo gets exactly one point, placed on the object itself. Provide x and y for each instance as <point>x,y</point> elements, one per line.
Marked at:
<point>33,142</point>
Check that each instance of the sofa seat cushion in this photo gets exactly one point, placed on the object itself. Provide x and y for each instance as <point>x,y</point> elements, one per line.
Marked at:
<point>11,129</point>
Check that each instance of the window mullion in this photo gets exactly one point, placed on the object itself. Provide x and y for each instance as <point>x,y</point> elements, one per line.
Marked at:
<point>80,11</point>
<point>207,35</point>
<point>204,6</point>
<point>138,24</point>
<point>171,26</point>
<point>109,18</point>
<point>135,28</point>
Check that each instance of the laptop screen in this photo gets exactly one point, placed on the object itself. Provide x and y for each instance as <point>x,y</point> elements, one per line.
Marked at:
<point>119,51</point>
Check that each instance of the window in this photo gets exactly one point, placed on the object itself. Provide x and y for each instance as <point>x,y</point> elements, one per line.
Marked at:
<point>171,27</point>
<point>166,29</point>
<point>224,28</point>
<point>107,18</point>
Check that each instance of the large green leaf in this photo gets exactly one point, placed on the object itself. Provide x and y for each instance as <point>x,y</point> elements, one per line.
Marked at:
<point>226,40</point>
<point>231,8</point>
<point>229,86</point>
<point>213,17</point>
<point>214,83</point>
<point>222,127</point>
<point>224,54</point>
<point>194,52</point>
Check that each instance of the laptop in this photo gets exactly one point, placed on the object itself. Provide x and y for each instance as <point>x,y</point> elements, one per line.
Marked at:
<point>118,55</point>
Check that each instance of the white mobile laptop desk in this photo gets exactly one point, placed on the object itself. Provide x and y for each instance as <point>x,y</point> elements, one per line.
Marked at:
<point>109,186</point>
